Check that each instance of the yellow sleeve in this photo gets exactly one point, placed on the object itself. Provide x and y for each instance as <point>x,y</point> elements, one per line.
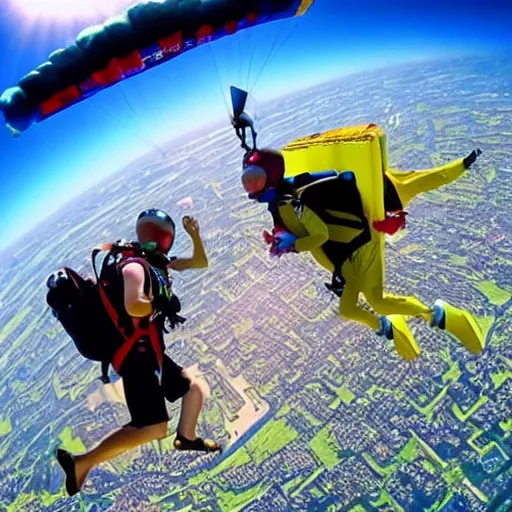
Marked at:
<point>318,232</point>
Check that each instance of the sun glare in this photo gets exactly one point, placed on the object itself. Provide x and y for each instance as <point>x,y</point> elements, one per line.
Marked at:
<point>69,9</point>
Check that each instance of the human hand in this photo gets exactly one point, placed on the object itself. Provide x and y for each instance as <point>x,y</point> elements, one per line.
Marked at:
<point>280,241</point>
<point>190,225</point>
<point>285,241</point>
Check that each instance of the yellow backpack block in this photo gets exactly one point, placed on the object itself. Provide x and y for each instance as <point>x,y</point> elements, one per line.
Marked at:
<point>360,149</point>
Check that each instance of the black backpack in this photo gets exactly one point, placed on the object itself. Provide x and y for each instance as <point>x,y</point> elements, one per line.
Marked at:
<point>331,198</point>
<point>78,305</point>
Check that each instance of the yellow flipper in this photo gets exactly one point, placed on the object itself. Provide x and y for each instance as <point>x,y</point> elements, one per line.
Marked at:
<point>463,326</point>
<point>405,343</point>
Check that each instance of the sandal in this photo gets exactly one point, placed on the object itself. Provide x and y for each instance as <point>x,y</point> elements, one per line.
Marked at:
<point>202,445</point>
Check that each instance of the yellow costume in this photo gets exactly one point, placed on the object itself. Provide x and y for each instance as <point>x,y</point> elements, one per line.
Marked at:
<point>363,151</point>
<point>408,184</point>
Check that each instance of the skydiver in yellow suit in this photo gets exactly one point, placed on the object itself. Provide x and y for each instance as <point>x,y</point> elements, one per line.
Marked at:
<point>322,213</point>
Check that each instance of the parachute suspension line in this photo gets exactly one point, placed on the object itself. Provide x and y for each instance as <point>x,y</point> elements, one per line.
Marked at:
<point>275,50</point>
<point>115,118</point>
<point>219,79</point>
<point>247,52</point>
<point>248,49</point>
<point>237,59</point>
<point>148,141</point>
<point>138,120</point>
<point>251,63</point>
<point>265,64</point>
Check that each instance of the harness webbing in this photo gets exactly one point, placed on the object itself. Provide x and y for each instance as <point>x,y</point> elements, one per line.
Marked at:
<point>151,331</point>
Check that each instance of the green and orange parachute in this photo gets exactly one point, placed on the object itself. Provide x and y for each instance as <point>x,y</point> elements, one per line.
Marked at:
<point>146,35</point>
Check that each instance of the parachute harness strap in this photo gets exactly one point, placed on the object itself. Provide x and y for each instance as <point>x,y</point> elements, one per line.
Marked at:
<point>150,331</point>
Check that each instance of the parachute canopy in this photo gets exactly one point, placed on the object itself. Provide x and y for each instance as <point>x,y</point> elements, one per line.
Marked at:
<point>146,35</point>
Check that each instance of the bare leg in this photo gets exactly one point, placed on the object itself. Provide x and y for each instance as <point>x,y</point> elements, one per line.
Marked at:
<point>119,442</point>
<point>130,437</point>
<point>191,406</point>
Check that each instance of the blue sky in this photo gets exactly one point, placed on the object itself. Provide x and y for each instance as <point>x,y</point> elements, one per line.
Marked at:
<point>63,156</point>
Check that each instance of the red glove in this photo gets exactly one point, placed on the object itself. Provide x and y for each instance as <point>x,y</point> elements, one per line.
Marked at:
<point>394,221</point>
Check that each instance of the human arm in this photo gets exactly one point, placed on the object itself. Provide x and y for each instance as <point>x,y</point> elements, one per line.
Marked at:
<point>199,258</point>
<point>283,241</point>
<point>318,232</point>
<point>136,302</point>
